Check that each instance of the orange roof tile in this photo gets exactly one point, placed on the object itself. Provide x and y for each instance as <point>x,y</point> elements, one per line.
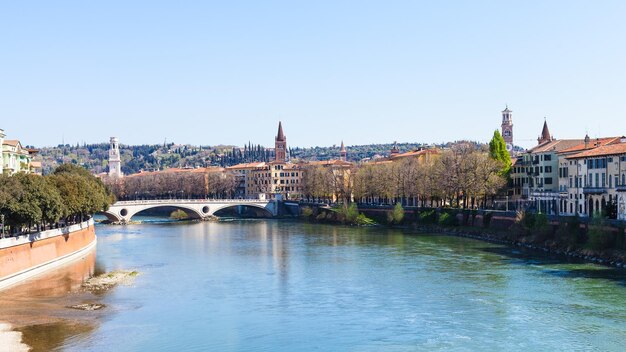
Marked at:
<point>246,166</point>
<point>592,144</point>
<point>415,153</point>
<point>333,162</point>
<point>609,149</point>
<point>556,145</point>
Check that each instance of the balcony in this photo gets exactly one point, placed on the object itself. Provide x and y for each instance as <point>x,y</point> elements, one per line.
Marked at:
<point>621,188</point>
<point>594,190</point>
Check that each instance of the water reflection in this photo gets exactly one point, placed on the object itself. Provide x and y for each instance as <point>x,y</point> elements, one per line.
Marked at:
<point>38,307</point>
<point>284,286</point>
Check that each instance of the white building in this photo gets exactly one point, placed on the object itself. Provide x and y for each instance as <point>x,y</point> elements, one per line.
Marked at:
<point>595,178</point>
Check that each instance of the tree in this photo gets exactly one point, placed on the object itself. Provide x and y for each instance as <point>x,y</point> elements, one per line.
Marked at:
<point>497,151</point>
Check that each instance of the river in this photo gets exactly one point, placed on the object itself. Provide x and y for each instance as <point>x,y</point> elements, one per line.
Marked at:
<point>271,285</point>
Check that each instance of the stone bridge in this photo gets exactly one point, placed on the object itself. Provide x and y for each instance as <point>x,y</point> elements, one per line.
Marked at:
<point>122,212</point>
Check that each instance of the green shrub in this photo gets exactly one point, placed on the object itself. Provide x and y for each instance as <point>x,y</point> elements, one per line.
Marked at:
<point>363,220</point>
<point>447,219</point>
<point>351,212</point>
<point>178,215</point>
<point>599,238</point>
<point>428,217</point>
<point>569,232</point>
<point>306,212</point>
<point>398,213</point>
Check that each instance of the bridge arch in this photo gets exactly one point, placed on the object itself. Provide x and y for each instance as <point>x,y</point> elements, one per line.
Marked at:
<point>189,210</point>
<point>264,210</point>
<point>110,216</point>
<point>127,213</point>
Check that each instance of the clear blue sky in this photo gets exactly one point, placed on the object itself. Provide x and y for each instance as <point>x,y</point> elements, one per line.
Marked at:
<point>225,72</point>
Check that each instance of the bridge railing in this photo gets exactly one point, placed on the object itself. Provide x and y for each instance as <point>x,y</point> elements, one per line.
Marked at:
<point>187,201</point>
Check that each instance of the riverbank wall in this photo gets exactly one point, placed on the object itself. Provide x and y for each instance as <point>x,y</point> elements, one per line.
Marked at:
<point>597,240</point>
<point>25,256</point>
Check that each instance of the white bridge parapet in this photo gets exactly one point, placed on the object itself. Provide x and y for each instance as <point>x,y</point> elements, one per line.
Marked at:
<point>123,211</point>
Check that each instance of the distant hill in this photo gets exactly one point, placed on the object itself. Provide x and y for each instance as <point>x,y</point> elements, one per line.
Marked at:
<point>135,158</point>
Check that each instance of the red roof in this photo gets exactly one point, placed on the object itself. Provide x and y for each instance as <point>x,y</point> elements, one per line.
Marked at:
<point>594,143</point>
<point>415,153</point>
<point>609,149</point>
<point>333,162</point>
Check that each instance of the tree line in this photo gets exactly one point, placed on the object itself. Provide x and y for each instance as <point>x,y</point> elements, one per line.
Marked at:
<point>32,202</point>
<point>462,176</point>
<point>166,185</point>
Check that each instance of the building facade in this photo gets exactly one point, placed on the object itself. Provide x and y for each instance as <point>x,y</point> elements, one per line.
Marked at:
<point>595,180</point>
<point>278,179</point>
<point>15,158</point>
<point>535,173</point>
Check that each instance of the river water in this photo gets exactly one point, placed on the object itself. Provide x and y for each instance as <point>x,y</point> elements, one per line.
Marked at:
<point>269,285</point>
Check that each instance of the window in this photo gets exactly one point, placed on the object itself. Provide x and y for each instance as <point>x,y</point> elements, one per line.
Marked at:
<point>547,157</point>
<point>548,169</point>
<point>603,179</point>
<point>548,180</point>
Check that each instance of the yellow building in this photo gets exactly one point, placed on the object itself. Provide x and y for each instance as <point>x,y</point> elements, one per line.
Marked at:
<point>16,158</point>
<point>278,179</point>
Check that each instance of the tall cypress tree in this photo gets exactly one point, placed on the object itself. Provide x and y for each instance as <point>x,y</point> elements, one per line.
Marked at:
<point>497,151</point>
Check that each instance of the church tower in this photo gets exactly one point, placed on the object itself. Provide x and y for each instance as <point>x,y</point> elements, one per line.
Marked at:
<point>115,162</point>
<point>281,145</point>
<point>343,154</point>
<point>545,134</point>
<point>507,128</point>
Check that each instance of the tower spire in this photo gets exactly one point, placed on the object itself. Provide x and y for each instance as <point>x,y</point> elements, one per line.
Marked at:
<point>545,133</point>
<point>281,144</point>
<point>280,136</point>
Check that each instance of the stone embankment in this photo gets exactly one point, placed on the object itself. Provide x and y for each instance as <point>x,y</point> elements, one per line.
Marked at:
<point>581,254</point>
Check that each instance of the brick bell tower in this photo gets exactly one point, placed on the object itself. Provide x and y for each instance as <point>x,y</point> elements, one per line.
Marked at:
<point>281,145</point>
<point>507,128</point>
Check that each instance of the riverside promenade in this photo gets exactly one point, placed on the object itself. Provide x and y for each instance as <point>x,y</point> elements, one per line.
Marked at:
<point>25,256</point>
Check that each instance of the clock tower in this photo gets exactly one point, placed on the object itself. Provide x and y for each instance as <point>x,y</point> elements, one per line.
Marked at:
<point>507,128</point>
